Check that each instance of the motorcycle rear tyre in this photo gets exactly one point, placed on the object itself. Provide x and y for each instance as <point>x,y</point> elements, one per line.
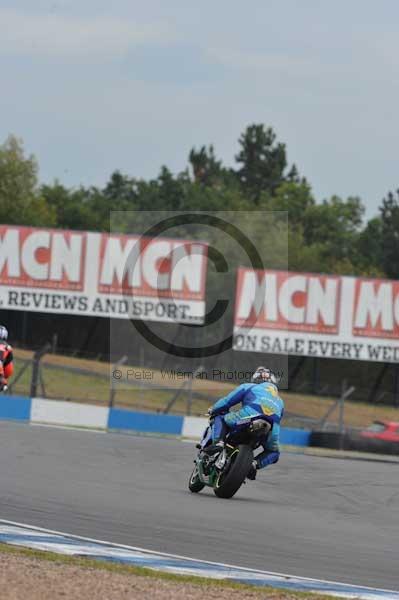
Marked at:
<point>233,480</point>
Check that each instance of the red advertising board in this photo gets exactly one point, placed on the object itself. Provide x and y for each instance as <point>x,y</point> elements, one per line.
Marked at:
<point>46,258</point>
<point>288,301</point>
<point>376,309</point>
<point>77,272</point>
<point>311,314</point>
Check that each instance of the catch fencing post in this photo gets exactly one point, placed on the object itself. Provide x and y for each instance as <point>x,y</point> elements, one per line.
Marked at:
<point>37,357</point>
<point>340,403</point>
<point>186,385</point>
<point>119,363</point>
<point>175,397</point>
<point>18,377</point>
<point>344,395</point>
<point>190,389</point>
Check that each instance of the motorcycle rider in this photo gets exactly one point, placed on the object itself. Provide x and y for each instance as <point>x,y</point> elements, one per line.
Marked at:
<point>6,359</point>
<point>260,397</point>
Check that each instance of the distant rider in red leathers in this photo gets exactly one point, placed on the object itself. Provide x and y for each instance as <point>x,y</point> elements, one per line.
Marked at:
<point>6,359</point>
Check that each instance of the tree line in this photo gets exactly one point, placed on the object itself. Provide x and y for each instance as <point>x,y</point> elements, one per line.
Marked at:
<point>330,236</point>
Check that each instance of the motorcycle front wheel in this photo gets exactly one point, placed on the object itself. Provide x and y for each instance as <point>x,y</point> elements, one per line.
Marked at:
<point>230,481</point>
<point>195,484</point>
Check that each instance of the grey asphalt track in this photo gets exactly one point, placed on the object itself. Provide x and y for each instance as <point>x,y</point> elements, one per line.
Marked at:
<point>310,516</point>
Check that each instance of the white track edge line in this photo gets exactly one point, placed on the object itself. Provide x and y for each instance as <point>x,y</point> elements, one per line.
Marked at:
<point>205,562</point>
<point>67,427</point>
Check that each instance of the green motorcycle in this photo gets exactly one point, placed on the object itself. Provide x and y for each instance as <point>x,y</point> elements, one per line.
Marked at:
<point>225,468</point>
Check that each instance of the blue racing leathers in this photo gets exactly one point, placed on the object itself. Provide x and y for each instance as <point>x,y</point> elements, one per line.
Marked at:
<point>256,399</point>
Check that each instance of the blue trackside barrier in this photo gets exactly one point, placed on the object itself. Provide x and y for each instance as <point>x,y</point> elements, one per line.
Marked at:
<point>15,408</point>
<point>146,422</point>
<point>41,410</point>
<point>294,437</point>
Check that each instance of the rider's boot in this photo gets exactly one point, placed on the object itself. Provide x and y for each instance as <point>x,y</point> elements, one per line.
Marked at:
<point>252,471</point>
<point>219,431</point>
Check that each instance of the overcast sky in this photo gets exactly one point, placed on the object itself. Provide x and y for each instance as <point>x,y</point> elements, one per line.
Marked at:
<point>95,86</point>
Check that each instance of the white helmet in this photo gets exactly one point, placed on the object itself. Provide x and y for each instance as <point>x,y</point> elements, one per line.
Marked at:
<point>3,333</point>
<point>263,375</point>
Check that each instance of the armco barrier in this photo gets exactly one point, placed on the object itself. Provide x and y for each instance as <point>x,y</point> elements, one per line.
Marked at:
<point>146,422</point>
<point>15,408</point>
<point>73,414</point>
<point>294,437</point>
<point>193,427</point>
<point>68,413</point>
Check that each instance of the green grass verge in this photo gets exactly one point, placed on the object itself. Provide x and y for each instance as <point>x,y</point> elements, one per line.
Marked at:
<point>88,563</point>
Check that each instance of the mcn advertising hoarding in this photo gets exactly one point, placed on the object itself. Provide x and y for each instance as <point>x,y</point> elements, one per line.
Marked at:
<point>306,314</point>
<point>84,273</point>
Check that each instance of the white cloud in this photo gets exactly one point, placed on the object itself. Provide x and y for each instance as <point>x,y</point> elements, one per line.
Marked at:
<point>62,36</point>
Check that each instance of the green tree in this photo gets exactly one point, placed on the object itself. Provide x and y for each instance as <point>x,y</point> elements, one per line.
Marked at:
<point>206,168</point>
<point>335,224</point>
<point>369,249</point>
<point>293,175</point>
<point>390,234</point>
<point>20,202</point>
<point>294,198</point>
<point>263,161</point>
<point>303,256</point>
<point>120,193</point>
<point>71,207</point>
<point>327,236</point>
